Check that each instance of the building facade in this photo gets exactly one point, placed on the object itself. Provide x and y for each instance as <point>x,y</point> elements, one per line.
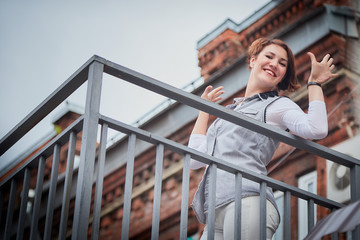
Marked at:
<point>317,26</point>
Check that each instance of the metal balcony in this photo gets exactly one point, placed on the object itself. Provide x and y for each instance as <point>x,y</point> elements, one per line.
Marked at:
<point>15,221</point>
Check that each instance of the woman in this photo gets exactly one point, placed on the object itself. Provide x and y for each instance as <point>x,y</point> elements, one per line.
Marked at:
<point>271,65</point>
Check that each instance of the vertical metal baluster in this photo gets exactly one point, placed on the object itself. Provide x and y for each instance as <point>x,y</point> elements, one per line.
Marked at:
<point>128,187</point>
<point>355,194</point>
<point>10,210</point>
<point>311,214</point>
<point>185,198</point>
<point>1,204</point>
<point>238,192</point>
<point>287,215</point>
<point>212,201</point>
<point>263,210</point>
<point>87,152</point>
<point>99,183</point>
<point>34,234</point>
<point>23,205</point>
<point>67,186</point>
<point>157,191</point>
<point>335,235</point>
<point>52,191</point>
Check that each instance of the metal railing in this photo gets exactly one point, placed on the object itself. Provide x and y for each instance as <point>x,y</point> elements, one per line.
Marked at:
<point>15,217</point>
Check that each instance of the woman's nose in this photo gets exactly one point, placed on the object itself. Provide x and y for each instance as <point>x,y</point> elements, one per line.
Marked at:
<point>273,63</point>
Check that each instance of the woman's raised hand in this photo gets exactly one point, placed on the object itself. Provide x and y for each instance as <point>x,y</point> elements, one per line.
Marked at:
<point>213,95</point>
<point>321,71</point>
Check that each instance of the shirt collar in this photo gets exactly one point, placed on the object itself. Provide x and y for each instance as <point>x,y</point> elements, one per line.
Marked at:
<point>262,96</point>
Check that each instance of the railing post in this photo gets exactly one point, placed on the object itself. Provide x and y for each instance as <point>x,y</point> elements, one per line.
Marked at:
<point>287,215</point>
<point>185,198</point>
<point>263,214</point>
<point>23,205</point>
<point>34,233</point>
<point>311,214</point>
<point>67,186</point>
<point>128,187</point>
<point>52,192</point>
<point>87,154</point>
<point>1,204</point>
<point>355,193</point>
<point>10,210</point>
<point>212,201</point>
<point>157,192</point>
<point>238,193</point>
<point>99,184</point>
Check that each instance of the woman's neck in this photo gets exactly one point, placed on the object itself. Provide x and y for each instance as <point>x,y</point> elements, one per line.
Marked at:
<point>252,89</point>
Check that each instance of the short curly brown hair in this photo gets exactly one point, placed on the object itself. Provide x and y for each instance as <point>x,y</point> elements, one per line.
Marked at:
<point>289,82</point>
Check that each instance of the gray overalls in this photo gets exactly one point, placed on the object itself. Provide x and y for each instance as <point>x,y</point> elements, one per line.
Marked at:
<point>239,146</point>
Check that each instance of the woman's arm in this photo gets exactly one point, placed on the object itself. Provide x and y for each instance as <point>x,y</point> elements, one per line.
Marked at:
<point>197,142</point>
<point>197,139</point>
<point>201,123</point>
<point>286,114</point>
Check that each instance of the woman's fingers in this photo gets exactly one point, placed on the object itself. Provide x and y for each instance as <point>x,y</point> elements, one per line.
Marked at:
<point>206,92</point>
<point>331,60</point>
<point>208,89</point>
<point>213,94</point>
<point>326,58</point>
<point>312,57</point>
<point>321,71</point>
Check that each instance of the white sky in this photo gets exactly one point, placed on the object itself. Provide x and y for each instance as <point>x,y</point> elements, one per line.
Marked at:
<point>43,42</point>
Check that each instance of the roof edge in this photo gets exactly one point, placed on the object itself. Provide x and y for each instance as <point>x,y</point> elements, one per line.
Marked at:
<point>230,24</point>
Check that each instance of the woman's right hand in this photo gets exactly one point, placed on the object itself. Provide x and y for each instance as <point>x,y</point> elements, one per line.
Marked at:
<point>213,95</point>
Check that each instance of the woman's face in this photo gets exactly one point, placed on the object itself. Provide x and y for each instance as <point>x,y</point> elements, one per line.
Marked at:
<point>269,66</point>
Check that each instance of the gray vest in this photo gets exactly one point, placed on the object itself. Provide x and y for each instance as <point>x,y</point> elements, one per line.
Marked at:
<point>239,146</point>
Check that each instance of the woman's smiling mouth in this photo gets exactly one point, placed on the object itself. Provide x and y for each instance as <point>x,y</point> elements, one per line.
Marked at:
<point>270,72</point>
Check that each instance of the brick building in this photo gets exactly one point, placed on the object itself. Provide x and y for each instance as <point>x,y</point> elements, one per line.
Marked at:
<point>318,26</point>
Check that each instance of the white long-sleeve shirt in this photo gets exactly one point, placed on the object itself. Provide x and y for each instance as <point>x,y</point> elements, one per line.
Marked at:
<point>284,114</point>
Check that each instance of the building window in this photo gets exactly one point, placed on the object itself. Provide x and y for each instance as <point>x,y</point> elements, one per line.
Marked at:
<point>308,183</point>
<point>76,161</point>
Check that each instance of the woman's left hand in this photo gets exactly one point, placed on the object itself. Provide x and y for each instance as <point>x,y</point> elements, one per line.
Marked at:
<point>321,71</point>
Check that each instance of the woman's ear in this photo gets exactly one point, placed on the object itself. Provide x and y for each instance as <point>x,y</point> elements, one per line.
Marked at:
<point>252,62</point>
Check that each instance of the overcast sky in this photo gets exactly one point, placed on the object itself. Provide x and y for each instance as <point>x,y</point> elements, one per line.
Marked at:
<point>42,43</point>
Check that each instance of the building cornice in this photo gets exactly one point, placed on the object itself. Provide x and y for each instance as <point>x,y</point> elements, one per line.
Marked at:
<point>237,27</point>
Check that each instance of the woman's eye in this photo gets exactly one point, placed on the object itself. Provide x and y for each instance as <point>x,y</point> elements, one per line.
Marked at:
<point>283,64</point>
<point>268,56</point>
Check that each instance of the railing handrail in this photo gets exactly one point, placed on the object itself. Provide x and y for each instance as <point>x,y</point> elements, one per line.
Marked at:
<point>221,112</point>
<point>80,76</point>
<point>45,107</point>
<point>46,151</point>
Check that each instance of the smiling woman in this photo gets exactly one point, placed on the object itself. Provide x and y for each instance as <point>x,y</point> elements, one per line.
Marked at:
<point>280,58</point>
<point>271,65</point>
